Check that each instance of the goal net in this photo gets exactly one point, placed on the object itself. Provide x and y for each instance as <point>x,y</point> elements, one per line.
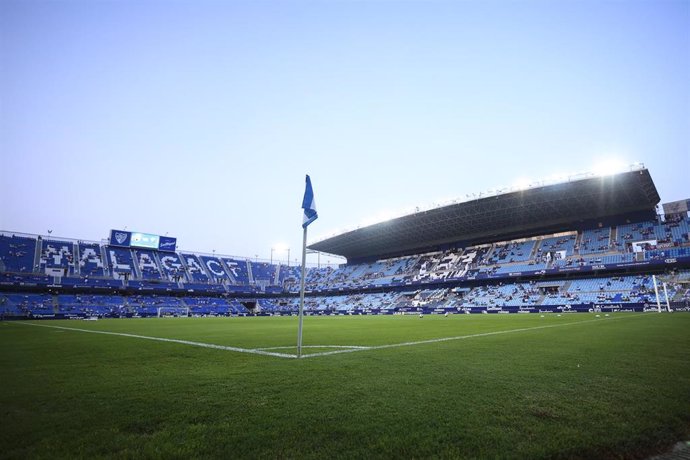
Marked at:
<point>172,311</point>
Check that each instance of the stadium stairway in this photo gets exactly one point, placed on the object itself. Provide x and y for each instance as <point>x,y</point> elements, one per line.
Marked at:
<point>533,254</point>
<point>187,273</point>
<point>104,258</point>
<point>250,275</point>
<point>76,268</point>
<point>226,269</point>
<point>578,241</point>
<point>135,265</point>
<point>488,255</point>
<point>37,255</point>
<point>56,304</point>
<point>276,278</point>
<point>159,265</point>
<point>614,236</point>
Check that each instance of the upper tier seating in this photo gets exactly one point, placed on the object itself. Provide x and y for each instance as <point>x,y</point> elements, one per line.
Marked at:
<point>511,252</point>
<point>120,262</point>
<point>148,267</point>
<point>214,267</point>
<point>17,253</point>
<point>57,257</point>
<point>90,260</point>
<point>237,269</point>
<point>673,232</point>
<point>172,267</point>
<point>595,240</point>
<point>263,272</point>
<point>557,244</point>
<point>194,268</point>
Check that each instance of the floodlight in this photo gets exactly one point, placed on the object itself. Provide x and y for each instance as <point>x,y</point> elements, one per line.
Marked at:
<point>280,247</point>
<point>609,167</point>
<point>522,184</point>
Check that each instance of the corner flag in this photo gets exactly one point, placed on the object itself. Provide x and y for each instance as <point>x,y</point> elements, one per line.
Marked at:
<point>310,216</point>
<point>309,205</point>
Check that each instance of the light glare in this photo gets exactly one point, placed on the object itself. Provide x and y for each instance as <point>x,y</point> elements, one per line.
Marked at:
<point>609,167</point>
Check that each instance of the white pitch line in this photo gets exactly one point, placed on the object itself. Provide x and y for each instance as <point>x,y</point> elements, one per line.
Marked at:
<point>314,346</point>
<point>460,337</point>
<point>346,349</point>
<point>161,339</point>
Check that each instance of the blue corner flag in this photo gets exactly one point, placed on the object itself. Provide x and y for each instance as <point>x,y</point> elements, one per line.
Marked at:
<point>309,205</point>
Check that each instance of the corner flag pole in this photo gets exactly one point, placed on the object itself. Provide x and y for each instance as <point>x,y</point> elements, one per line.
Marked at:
<point>310,215</point>
<point>301,294</point>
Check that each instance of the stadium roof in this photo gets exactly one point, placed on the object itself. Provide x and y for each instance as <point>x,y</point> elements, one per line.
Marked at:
<point>522,213</point>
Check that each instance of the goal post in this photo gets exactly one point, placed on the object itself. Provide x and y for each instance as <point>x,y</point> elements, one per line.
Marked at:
<point>663,281</point>
<point>172,311</point>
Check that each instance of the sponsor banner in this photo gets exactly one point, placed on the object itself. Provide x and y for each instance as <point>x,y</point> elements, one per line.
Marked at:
<point>166,243</point>
<point>120,238</point>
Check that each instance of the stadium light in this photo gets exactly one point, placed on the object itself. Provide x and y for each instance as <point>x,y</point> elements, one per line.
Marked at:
<point>522,184</point>
<point>280,247</point>
<point>609,167</point>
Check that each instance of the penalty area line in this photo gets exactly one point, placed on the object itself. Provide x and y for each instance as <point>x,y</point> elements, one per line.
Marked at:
<point>162,339</point>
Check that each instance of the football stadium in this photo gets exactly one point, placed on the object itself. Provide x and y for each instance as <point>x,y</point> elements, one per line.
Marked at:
<point>546,320</point>
<point>480,269</point>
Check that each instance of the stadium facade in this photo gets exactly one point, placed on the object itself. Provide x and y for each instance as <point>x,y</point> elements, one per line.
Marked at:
<point>589,243</point>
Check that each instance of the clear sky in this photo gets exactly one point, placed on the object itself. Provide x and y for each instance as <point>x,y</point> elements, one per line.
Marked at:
<point>200,118</point>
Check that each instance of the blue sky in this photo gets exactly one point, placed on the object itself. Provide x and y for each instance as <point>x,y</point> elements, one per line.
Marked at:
<point>201,118</point>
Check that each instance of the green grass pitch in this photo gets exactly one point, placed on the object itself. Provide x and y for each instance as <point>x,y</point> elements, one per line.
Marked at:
<point>502,386</point>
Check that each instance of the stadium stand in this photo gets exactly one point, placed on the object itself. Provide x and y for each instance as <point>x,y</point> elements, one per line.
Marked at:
<point>214,267</point>
<point>558,247</point>
<point>57,257</point>
<point>89,305</point>
<point>147,263</point>
<point>543,264</point>
<point>17,253</point>
<point>511,252</point>
<point>90,259</point>
<point>262,273</point>
<point>237,269</point>
<point>172,267</point>
<point>595,241</point>
<point>120,262</point>
<point>194,268</point>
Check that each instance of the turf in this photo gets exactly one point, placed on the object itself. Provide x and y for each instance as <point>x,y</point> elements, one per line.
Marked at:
<point>590,387</point>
